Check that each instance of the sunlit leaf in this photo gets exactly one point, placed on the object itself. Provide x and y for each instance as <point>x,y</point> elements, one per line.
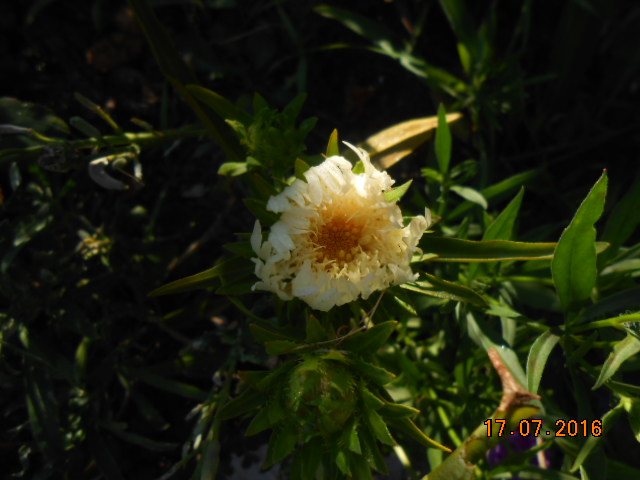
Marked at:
<point>537,360</point>
<point>574,263</point>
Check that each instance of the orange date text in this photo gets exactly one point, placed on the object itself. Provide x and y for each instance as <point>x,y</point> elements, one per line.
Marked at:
<point>532,427</point>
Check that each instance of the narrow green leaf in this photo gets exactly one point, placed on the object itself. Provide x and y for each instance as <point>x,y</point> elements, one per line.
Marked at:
<point>537,360</point>
<point>370,450</point>
<point>470,194</point>
<point>488,338</point>
<point>395,194</point>
<point>438,287</point>
<point>457,250</point>
<point>574,263</point>
<point>622,351</point>
<point>377,375</point>
<point>496,191</point>
<point>407,426</point>
<point>370,340</point>
<point>608,420</point>
<point>378,427</point>
<point>85,127</point>
<point>397,411</point>
<point>443,141</point>
<point>502,227</point>
<point>350,436</point>
<point>370,400</point>
<point>333,147</point>
<point>206,279</point>
<point>223,107</point>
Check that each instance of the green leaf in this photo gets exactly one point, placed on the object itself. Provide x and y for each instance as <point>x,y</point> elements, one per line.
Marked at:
<point>300,167</point>
<point>488,338</point>
<point>443,141</point>
<point>632,406</point>
<point>438,287</point>
<point>502,227</point>
<point>397,411</point>
<point>281,444</point>
<point>608,420</point>
<point>350,436</point>
<point>456,250</point>
<point>496,191</point>
<point>537,360</point>
<point>223,107</point>
<point>377,375</point>
<point>206,279</point>
<point>370,450</point>
<point>395,194</point>
<point>247,401</point>
<point>407,426</point>
<point>622,351</point>
<point>369,399</point>
<point>333,146</point>
<point>370,340</point>
<point>378,427</point>
<point>624,219</point>
<point>267,417</point>
<point>574,262</point>
<point>470,194</point>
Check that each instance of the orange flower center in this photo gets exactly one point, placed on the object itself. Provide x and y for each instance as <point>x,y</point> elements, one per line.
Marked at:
<point>338,239</point>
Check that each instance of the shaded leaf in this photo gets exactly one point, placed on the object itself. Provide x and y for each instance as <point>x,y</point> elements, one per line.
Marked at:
<point>206,279</point>
<point>370,340</point>
<point>443,142</point>
<point>622,351</point>
<point>608,420</point>
<point>282,442</point>
<point>223,107</point>
<point>438,287</point>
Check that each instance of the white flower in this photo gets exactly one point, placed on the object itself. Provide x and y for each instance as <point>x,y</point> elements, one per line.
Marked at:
<point>338,237</point>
